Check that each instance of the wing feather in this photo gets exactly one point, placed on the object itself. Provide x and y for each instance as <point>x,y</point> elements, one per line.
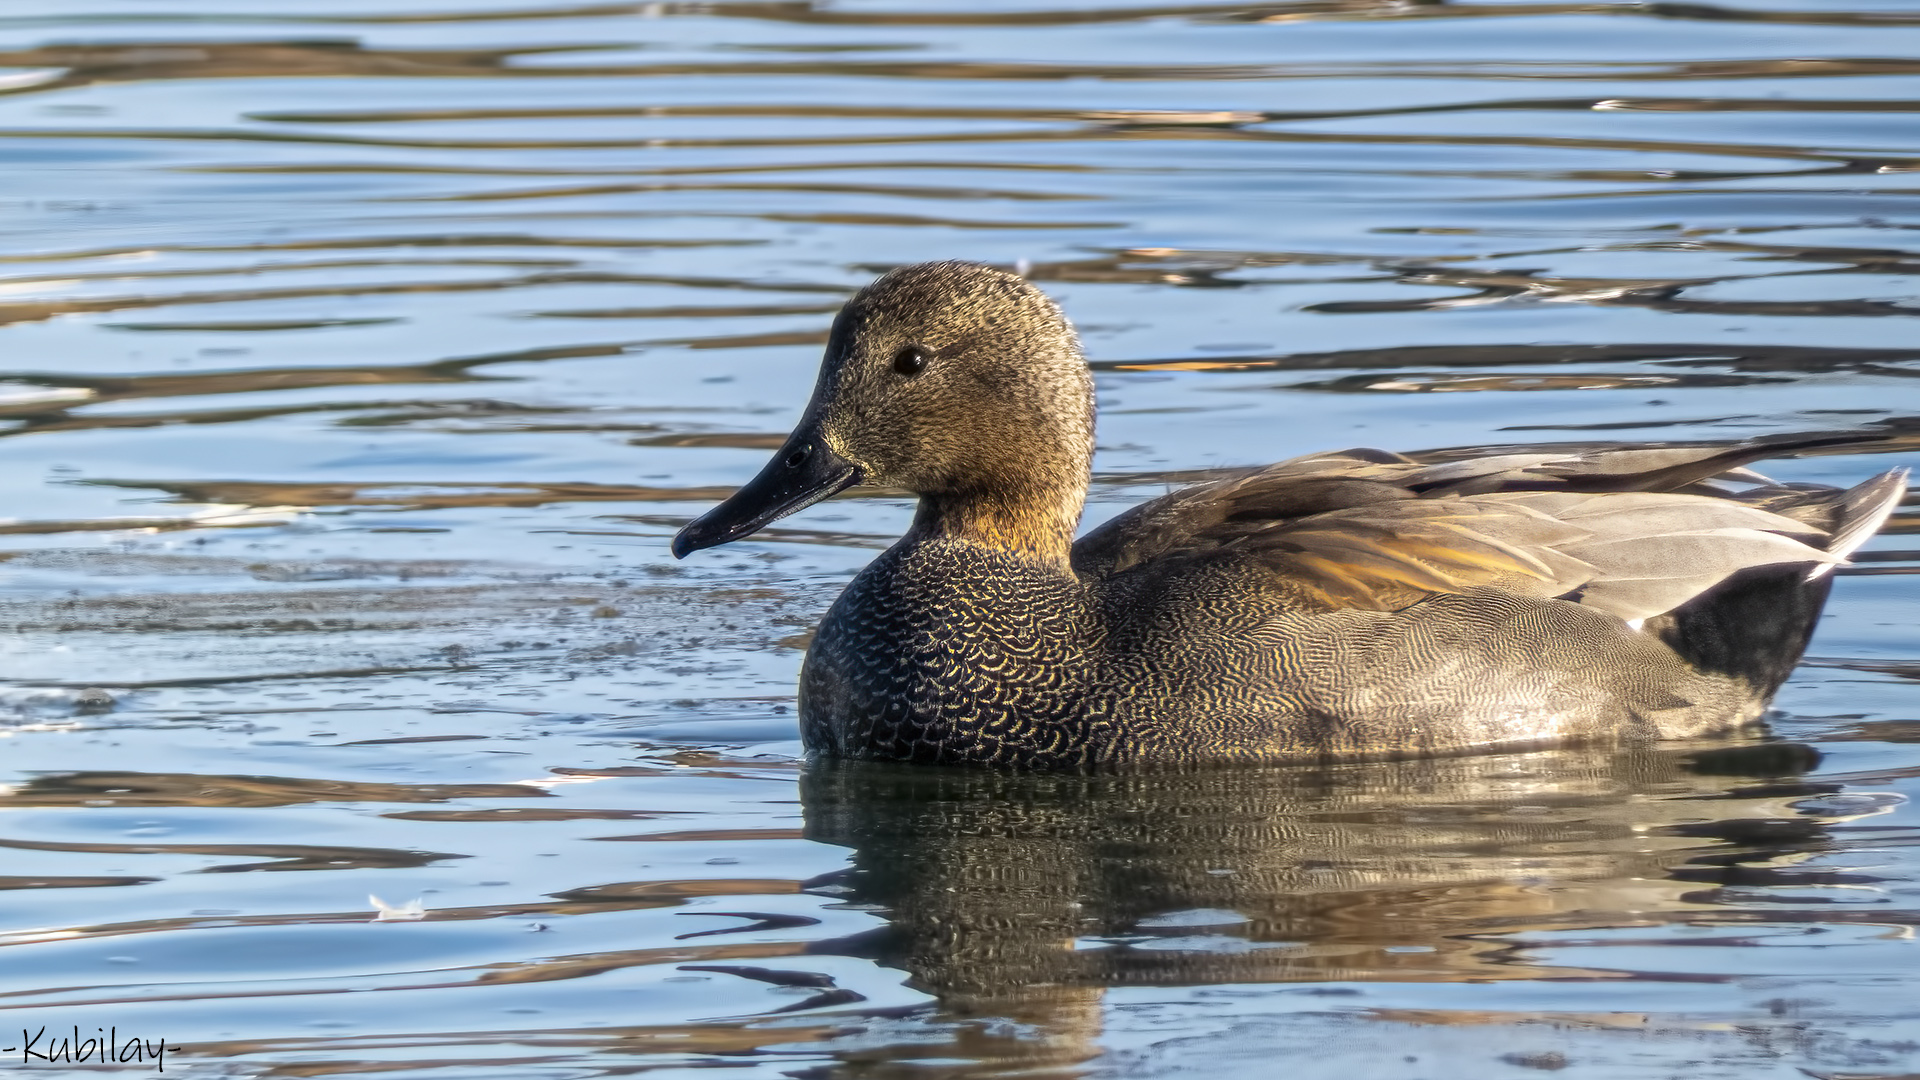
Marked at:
<point>1643,576</point>
<point>1600,525</point>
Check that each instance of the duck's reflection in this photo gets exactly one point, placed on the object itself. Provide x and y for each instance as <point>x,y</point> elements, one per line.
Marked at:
<point>1008,892</point>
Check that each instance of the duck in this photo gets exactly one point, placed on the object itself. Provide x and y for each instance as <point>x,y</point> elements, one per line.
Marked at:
<point>1355,604</point>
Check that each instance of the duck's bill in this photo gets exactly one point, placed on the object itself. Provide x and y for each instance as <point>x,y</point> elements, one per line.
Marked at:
<point>801,474</point>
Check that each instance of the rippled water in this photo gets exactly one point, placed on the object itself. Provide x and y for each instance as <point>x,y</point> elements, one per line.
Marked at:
<point>361,355</point>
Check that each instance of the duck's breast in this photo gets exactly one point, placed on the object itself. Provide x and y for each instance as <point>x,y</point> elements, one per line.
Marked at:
<point>946,651</point>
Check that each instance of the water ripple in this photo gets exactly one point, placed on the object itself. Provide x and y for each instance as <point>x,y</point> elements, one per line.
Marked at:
<point>362,358</point>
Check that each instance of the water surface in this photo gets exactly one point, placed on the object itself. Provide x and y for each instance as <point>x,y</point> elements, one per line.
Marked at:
<point>360,358</point>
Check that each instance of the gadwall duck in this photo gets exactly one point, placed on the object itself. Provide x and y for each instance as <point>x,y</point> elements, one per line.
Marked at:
<point>1349,604</point>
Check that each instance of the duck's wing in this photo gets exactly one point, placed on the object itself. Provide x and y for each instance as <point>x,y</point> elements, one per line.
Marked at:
<point>1361,529</point>
<point>1202,516</point>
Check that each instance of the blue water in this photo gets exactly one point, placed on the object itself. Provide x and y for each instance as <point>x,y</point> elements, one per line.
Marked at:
<point>360,359</point>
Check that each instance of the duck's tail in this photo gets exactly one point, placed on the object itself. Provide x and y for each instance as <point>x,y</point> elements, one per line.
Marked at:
<point>1755,625</point>
<point>1862,509</point>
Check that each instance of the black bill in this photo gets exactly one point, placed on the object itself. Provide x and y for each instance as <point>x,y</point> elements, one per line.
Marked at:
<point>801,474</point>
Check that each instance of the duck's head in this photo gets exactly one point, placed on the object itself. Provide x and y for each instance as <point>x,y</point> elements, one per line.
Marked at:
<point>958,382</point>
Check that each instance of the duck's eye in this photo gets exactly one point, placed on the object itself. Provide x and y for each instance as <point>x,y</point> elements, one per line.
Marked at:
<point>910,360</point>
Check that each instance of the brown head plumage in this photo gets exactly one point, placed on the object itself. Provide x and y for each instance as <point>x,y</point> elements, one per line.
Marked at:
<point>965,385</point>
<point>959,382</point>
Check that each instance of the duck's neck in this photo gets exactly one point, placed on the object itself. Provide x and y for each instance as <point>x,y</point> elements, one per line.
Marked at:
<point>1024,480</point>
<point>1038,525</point>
